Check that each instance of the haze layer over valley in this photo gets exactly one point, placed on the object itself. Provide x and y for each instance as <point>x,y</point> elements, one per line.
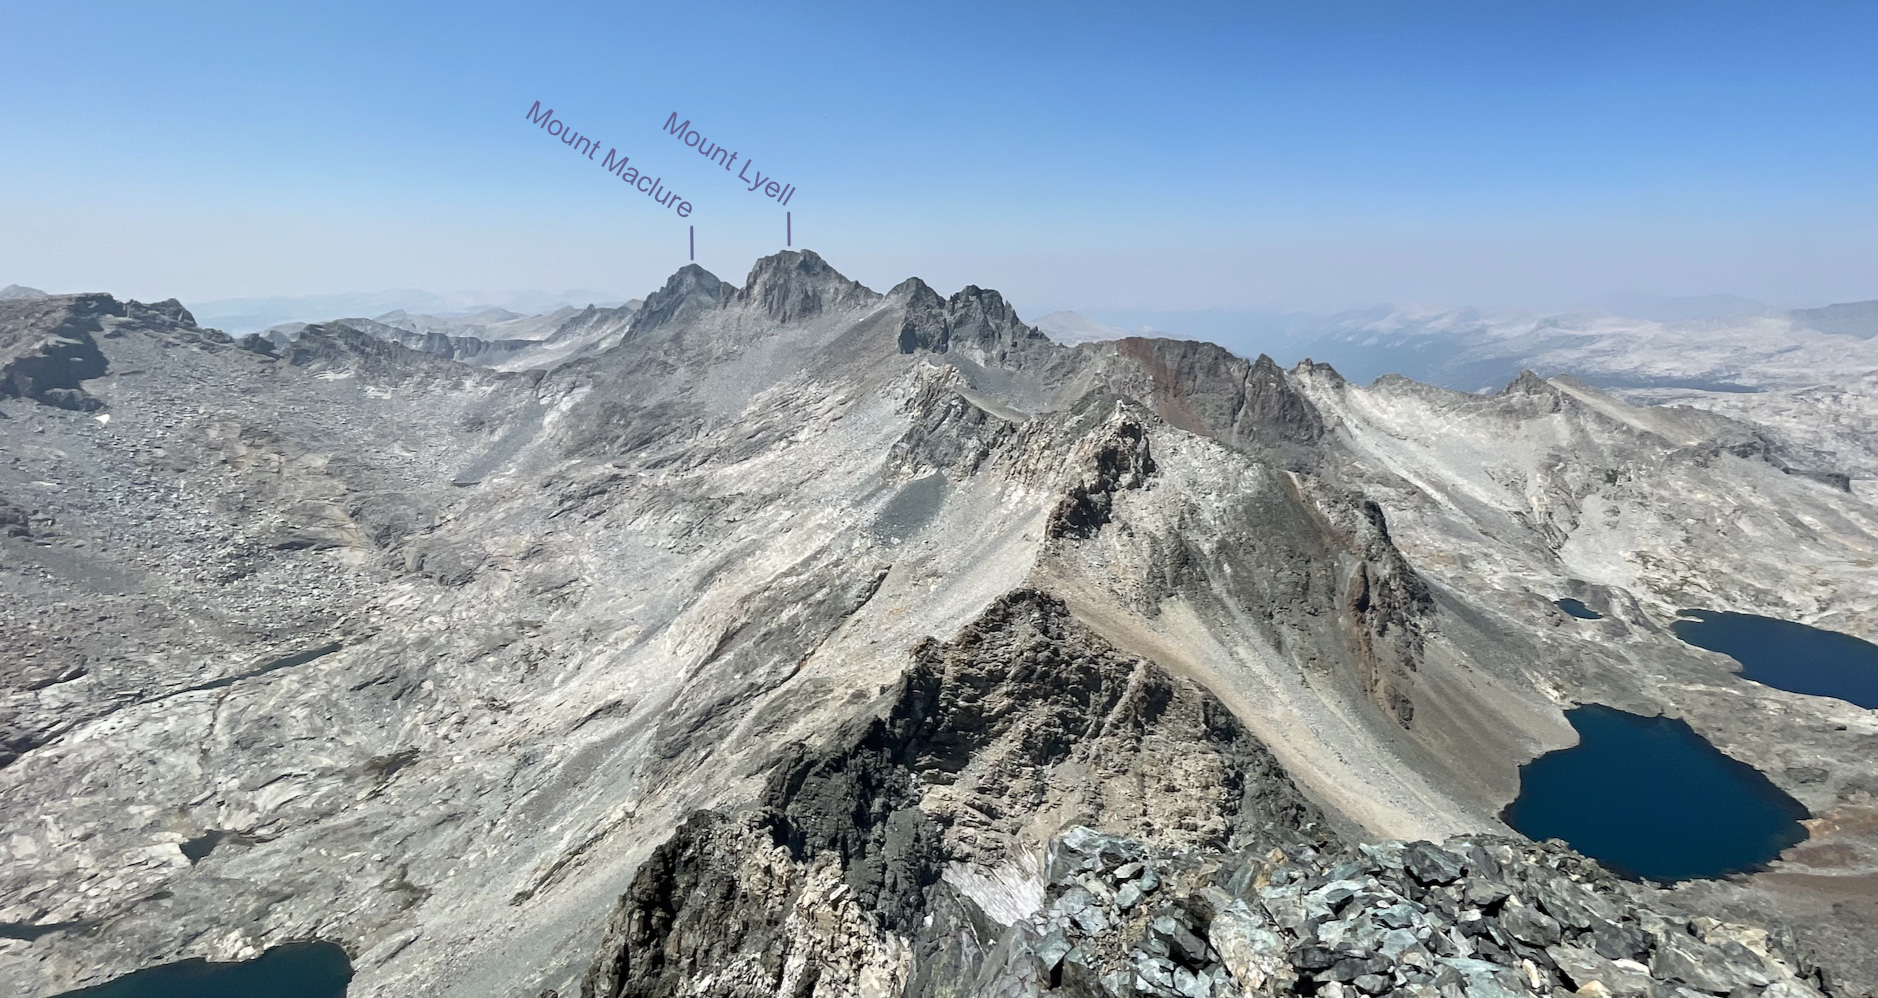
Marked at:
<point>793,637</point>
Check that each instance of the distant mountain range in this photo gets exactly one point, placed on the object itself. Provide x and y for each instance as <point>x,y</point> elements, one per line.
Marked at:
<point>1477,350</point>
<point>1859,318</point>
<point>248,315</point>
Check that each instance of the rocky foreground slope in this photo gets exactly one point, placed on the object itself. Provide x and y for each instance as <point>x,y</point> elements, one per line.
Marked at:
<point>860,870</point>
<point>781,645</point>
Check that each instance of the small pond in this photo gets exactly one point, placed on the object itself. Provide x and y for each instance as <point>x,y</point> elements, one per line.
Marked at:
<point>1788,656</point>
<point>1577,609</point>
<point>1648,797</point>
<point>296,970</point>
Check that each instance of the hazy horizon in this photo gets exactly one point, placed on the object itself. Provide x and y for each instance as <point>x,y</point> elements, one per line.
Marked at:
<point>242,314</point>
<point>1199,156</point>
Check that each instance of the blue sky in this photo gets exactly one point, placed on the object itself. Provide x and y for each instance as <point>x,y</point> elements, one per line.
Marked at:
<point>1088,155</point>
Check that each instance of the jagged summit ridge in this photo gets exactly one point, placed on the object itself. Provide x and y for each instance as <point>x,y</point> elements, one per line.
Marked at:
<point>794,286</point>
<point>798,284</point>
<point>690,289</point>
<point>1528,383</point>
<point>975,320</point>
<point>788,287</point>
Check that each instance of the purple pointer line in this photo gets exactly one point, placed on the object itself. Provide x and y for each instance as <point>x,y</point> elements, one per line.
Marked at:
<point>789,230</point>
<point>694,242</point>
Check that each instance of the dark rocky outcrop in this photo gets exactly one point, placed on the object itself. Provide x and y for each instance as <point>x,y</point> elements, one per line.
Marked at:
<point>1763,447</point>
<point>669,928</point>
<point>47,349</point>
<point>974,322</point>
<point>15,521</point>
<point>924,327</point>
<point>1114,458</point>
<point>168,312</point>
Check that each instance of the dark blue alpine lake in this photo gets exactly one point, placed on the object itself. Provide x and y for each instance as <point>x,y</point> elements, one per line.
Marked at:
<point>1788,656</point>
<point>1648,797</point>
<point>296,970</point>
<point>1577,609</point>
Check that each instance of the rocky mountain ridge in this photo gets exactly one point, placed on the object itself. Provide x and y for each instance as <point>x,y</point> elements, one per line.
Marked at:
<point>532,341</point>
<point>341,639</point>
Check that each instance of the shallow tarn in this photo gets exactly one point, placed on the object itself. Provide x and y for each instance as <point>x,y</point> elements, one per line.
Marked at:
<point>296,970</point>
<point>1786,655</point>
<point>1648,797</point>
